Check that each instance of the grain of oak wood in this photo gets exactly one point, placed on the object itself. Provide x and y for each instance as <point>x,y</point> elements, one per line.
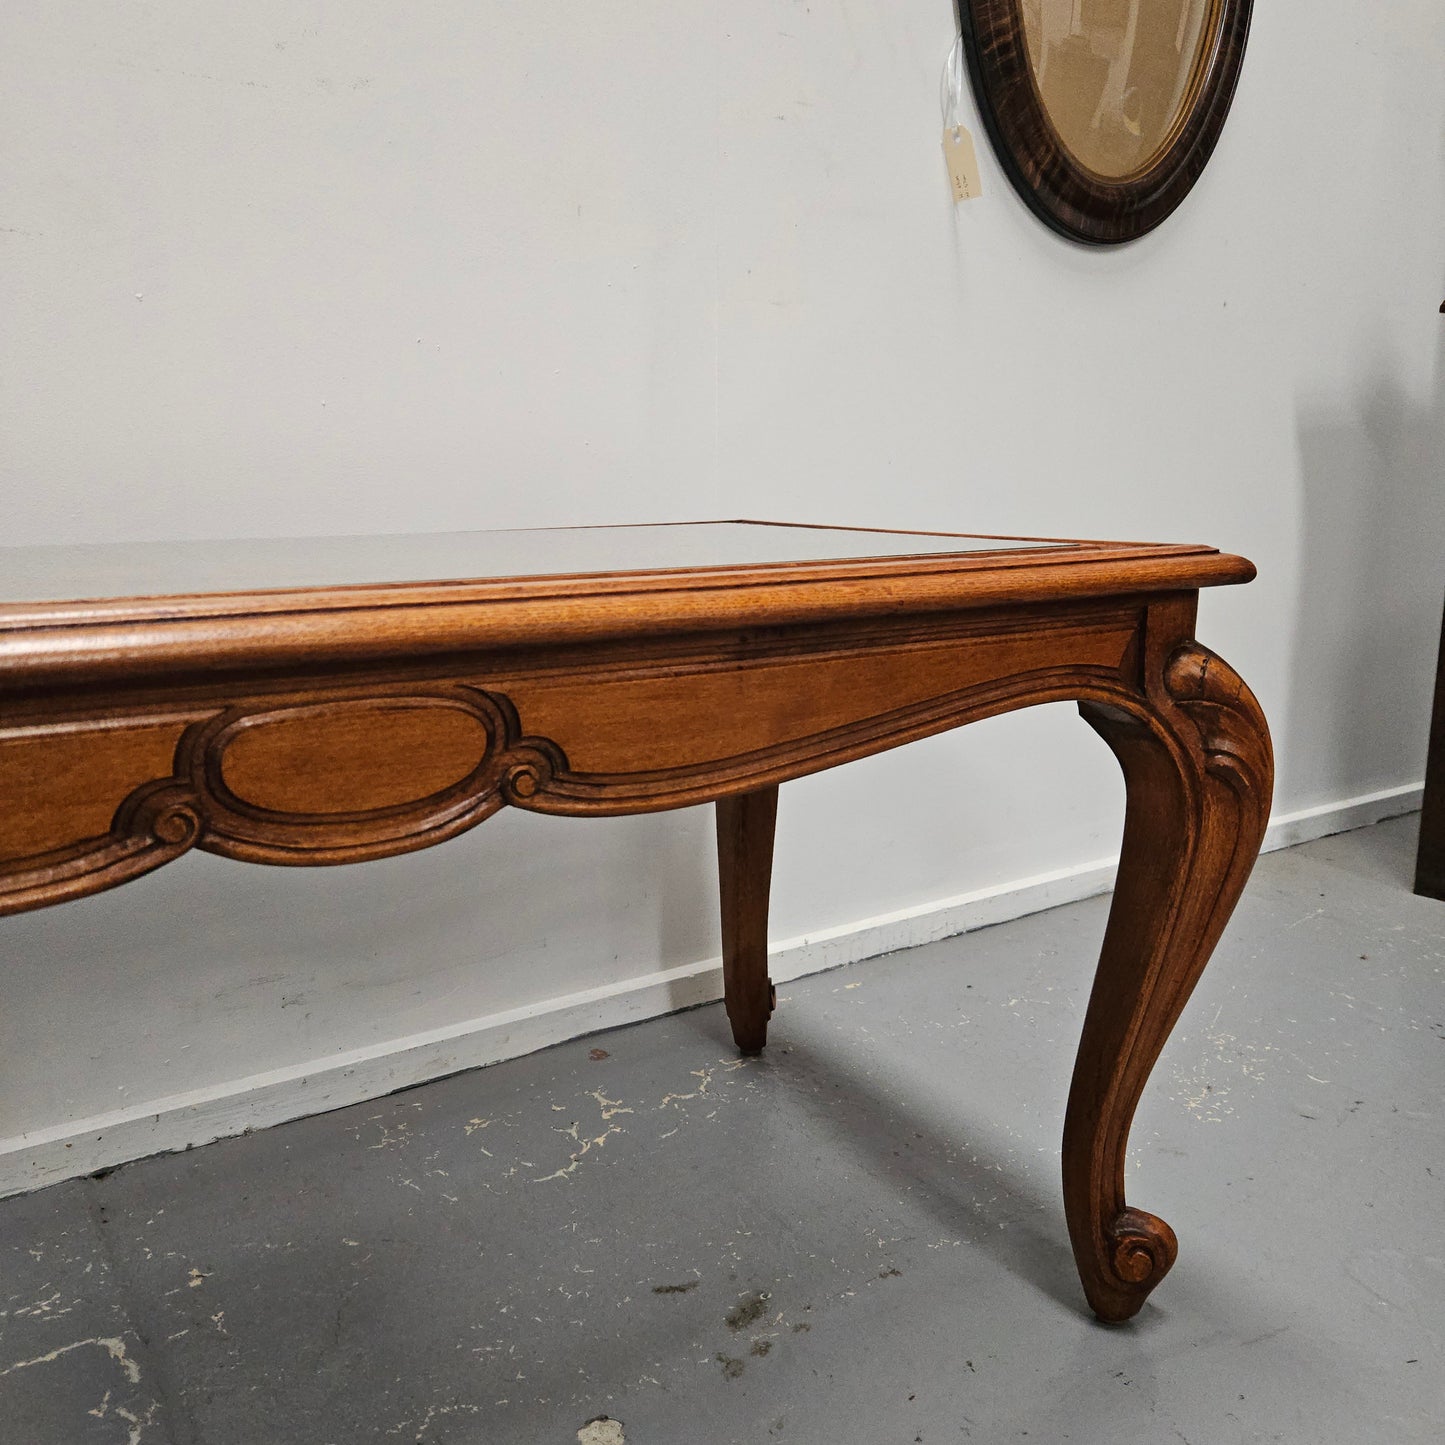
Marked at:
<point>280,722</point>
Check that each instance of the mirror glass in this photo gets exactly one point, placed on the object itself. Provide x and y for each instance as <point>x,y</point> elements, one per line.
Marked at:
<point>1115,75</point>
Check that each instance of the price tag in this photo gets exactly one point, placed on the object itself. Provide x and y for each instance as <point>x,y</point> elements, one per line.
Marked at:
<point>962,163</point>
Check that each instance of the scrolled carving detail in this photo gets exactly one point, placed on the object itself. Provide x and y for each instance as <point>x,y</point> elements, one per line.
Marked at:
<point>156,823</point>
<point>168,812</point>
<point>1143,1248</point>
<point>1224,711</point>
<point>1194,674</point>
<point>532,766</point>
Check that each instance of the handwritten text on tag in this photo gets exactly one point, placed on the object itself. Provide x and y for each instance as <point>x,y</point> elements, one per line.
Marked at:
<point>962,163</point>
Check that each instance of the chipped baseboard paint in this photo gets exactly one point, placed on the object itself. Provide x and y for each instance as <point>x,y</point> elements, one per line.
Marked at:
<point>180,1121</point>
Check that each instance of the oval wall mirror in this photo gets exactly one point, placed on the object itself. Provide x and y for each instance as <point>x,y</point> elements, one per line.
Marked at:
<point>1104,112</point>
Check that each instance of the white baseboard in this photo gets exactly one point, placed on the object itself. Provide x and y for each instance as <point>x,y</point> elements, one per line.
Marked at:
<point>1287,829</point>
<point>30,1161</point>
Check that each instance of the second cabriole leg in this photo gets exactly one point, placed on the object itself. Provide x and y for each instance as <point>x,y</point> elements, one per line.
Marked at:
<point>745,868</point>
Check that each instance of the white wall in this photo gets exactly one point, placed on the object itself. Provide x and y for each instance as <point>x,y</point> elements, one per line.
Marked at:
<point>374,266</point>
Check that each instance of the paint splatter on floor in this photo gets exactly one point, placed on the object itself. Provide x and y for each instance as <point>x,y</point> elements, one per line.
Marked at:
<point>601,1431</point>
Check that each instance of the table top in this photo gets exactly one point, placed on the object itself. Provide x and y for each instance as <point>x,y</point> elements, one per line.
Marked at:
<point>109,612</point>
<point>181,569</point>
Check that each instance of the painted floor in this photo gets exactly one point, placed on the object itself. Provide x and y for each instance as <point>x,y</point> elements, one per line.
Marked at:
<point>857,1238</point>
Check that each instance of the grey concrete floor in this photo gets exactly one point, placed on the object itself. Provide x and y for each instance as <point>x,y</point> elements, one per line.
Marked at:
<point>856,1238</point>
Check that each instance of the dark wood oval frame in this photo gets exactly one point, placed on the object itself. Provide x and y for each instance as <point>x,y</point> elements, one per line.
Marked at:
<point>1073,200</point>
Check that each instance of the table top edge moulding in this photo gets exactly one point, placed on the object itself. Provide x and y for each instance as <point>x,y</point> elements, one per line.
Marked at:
<point>80,637</point>
<point>368,714</point>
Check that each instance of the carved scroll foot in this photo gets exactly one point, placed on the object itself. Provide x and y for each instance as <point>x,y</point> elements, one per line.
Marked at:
<point>745,868</point>
<point>1197,765</point>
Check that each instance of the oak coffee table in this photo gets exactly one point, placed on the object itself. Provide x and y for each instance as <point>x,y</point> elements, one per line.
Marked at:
<point>325,701</point>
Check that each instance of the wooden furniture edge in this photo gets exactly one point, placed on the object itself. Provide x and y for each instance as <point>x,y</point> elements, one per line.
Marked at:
<point>49,645</point>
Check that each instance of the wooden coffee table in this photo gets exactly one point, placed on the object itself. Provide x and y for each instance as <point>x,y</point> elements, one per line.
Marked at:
<point>329,700</point>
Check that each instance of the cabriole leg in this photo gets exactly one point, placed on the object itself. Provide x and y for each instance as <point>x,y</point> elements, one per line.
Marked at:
<point>1198,769</point>
<point>745,867</point>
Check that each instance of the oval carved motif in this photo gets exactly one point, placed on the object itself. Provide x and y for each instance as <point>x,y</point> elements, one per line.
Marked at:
<point>351,757</point>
